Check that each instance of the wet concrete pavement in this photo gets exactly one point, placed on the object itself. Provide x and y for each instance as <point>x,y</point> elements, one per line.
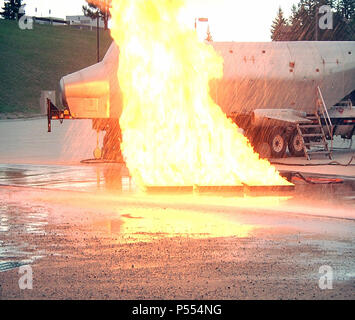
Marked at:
<point>88,233</point>
<point>98,239</point>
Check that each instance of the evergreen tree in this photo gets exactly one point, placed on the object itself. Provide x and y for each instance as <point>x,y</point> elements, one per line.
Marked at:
<point>11,10</point>
<point>296,24</point>
<point>344,20</point>
<point>303,21</point>
<point>101,10</point>
<point>279,28</point>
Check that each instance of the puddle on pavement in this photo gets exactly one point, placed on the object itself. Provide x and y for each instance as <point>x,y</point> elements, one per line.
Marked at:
<point>80,178</point>
<point>340,193</point>
<point>16,223</point>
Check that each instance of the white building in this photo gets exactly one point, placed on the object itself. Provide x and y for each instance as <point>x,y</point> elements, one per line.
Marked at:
<point>45,12</point>
<point>41,9</point>
<point>84,21</point>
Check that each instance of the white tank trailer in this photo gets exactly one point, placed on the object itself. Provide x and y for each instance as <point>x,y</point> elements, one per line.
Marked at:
<point>295,94</point>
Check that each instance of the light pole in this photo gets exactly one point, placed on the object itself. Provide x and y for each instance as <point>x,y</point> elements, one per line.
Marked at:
<point>200,20</point>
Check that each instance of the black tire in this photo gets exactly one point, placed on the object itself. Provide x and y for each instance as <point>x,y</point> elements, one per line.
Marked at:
<point>277,142</point>
<point>295,144</point>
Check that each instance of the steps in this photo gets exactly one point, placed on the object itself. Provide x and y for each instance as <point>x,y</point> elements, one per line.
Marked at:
<point>312,134</point>
<point>317,145</point>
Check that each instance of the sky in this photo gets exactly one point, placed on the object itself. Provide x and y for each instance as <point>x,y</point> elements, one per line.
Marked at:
<point>229,20</point>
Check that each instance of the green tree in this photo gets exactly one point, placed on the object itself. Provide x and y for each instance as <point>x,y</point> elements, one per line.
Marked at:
<point>344,20</point>
<point>280,27</point>
<point>11,10</point>
<point>303,21</point>
<point>100,9</point>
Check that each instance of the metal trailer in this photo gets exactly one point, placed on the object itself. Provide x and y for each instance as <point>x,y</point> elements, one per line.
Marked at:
<point>295,94</point>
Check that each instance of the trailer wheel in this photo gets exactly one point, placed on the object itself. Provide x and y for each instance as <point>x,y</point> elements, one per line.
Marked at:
<point>295,145</point>
<point>277,142</point>
<point>263,149</point>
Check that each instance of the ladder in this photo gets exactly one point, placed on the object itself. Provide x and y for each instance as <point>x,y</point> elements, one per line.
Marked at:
<point>312,133</point>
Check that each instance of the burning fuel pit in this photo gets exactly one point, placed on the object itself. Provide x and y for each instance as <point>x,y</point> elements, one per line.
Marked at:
<point>263,191</point>
<point>236,191</point>
<point>243,190</point>
<point>169,190</point>
<point>173,132</point>
<point>232,190</point>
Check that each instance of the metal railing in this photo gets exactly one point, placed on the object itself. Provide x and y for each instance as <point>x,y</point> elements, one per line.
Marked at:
<point>324,112</point>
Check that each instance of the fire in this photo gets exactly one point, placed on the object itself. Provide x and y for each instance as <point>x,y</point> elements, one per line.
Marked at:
<point>173,132</point>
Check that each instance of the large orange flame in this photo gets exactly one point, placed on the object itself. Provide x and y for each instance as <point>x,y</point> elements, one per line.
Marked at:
<point>173,132</point>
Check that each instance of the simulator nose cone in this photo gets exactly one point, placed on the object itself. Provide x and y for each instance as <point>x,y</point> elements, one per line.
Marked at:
<point>93,92</point>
